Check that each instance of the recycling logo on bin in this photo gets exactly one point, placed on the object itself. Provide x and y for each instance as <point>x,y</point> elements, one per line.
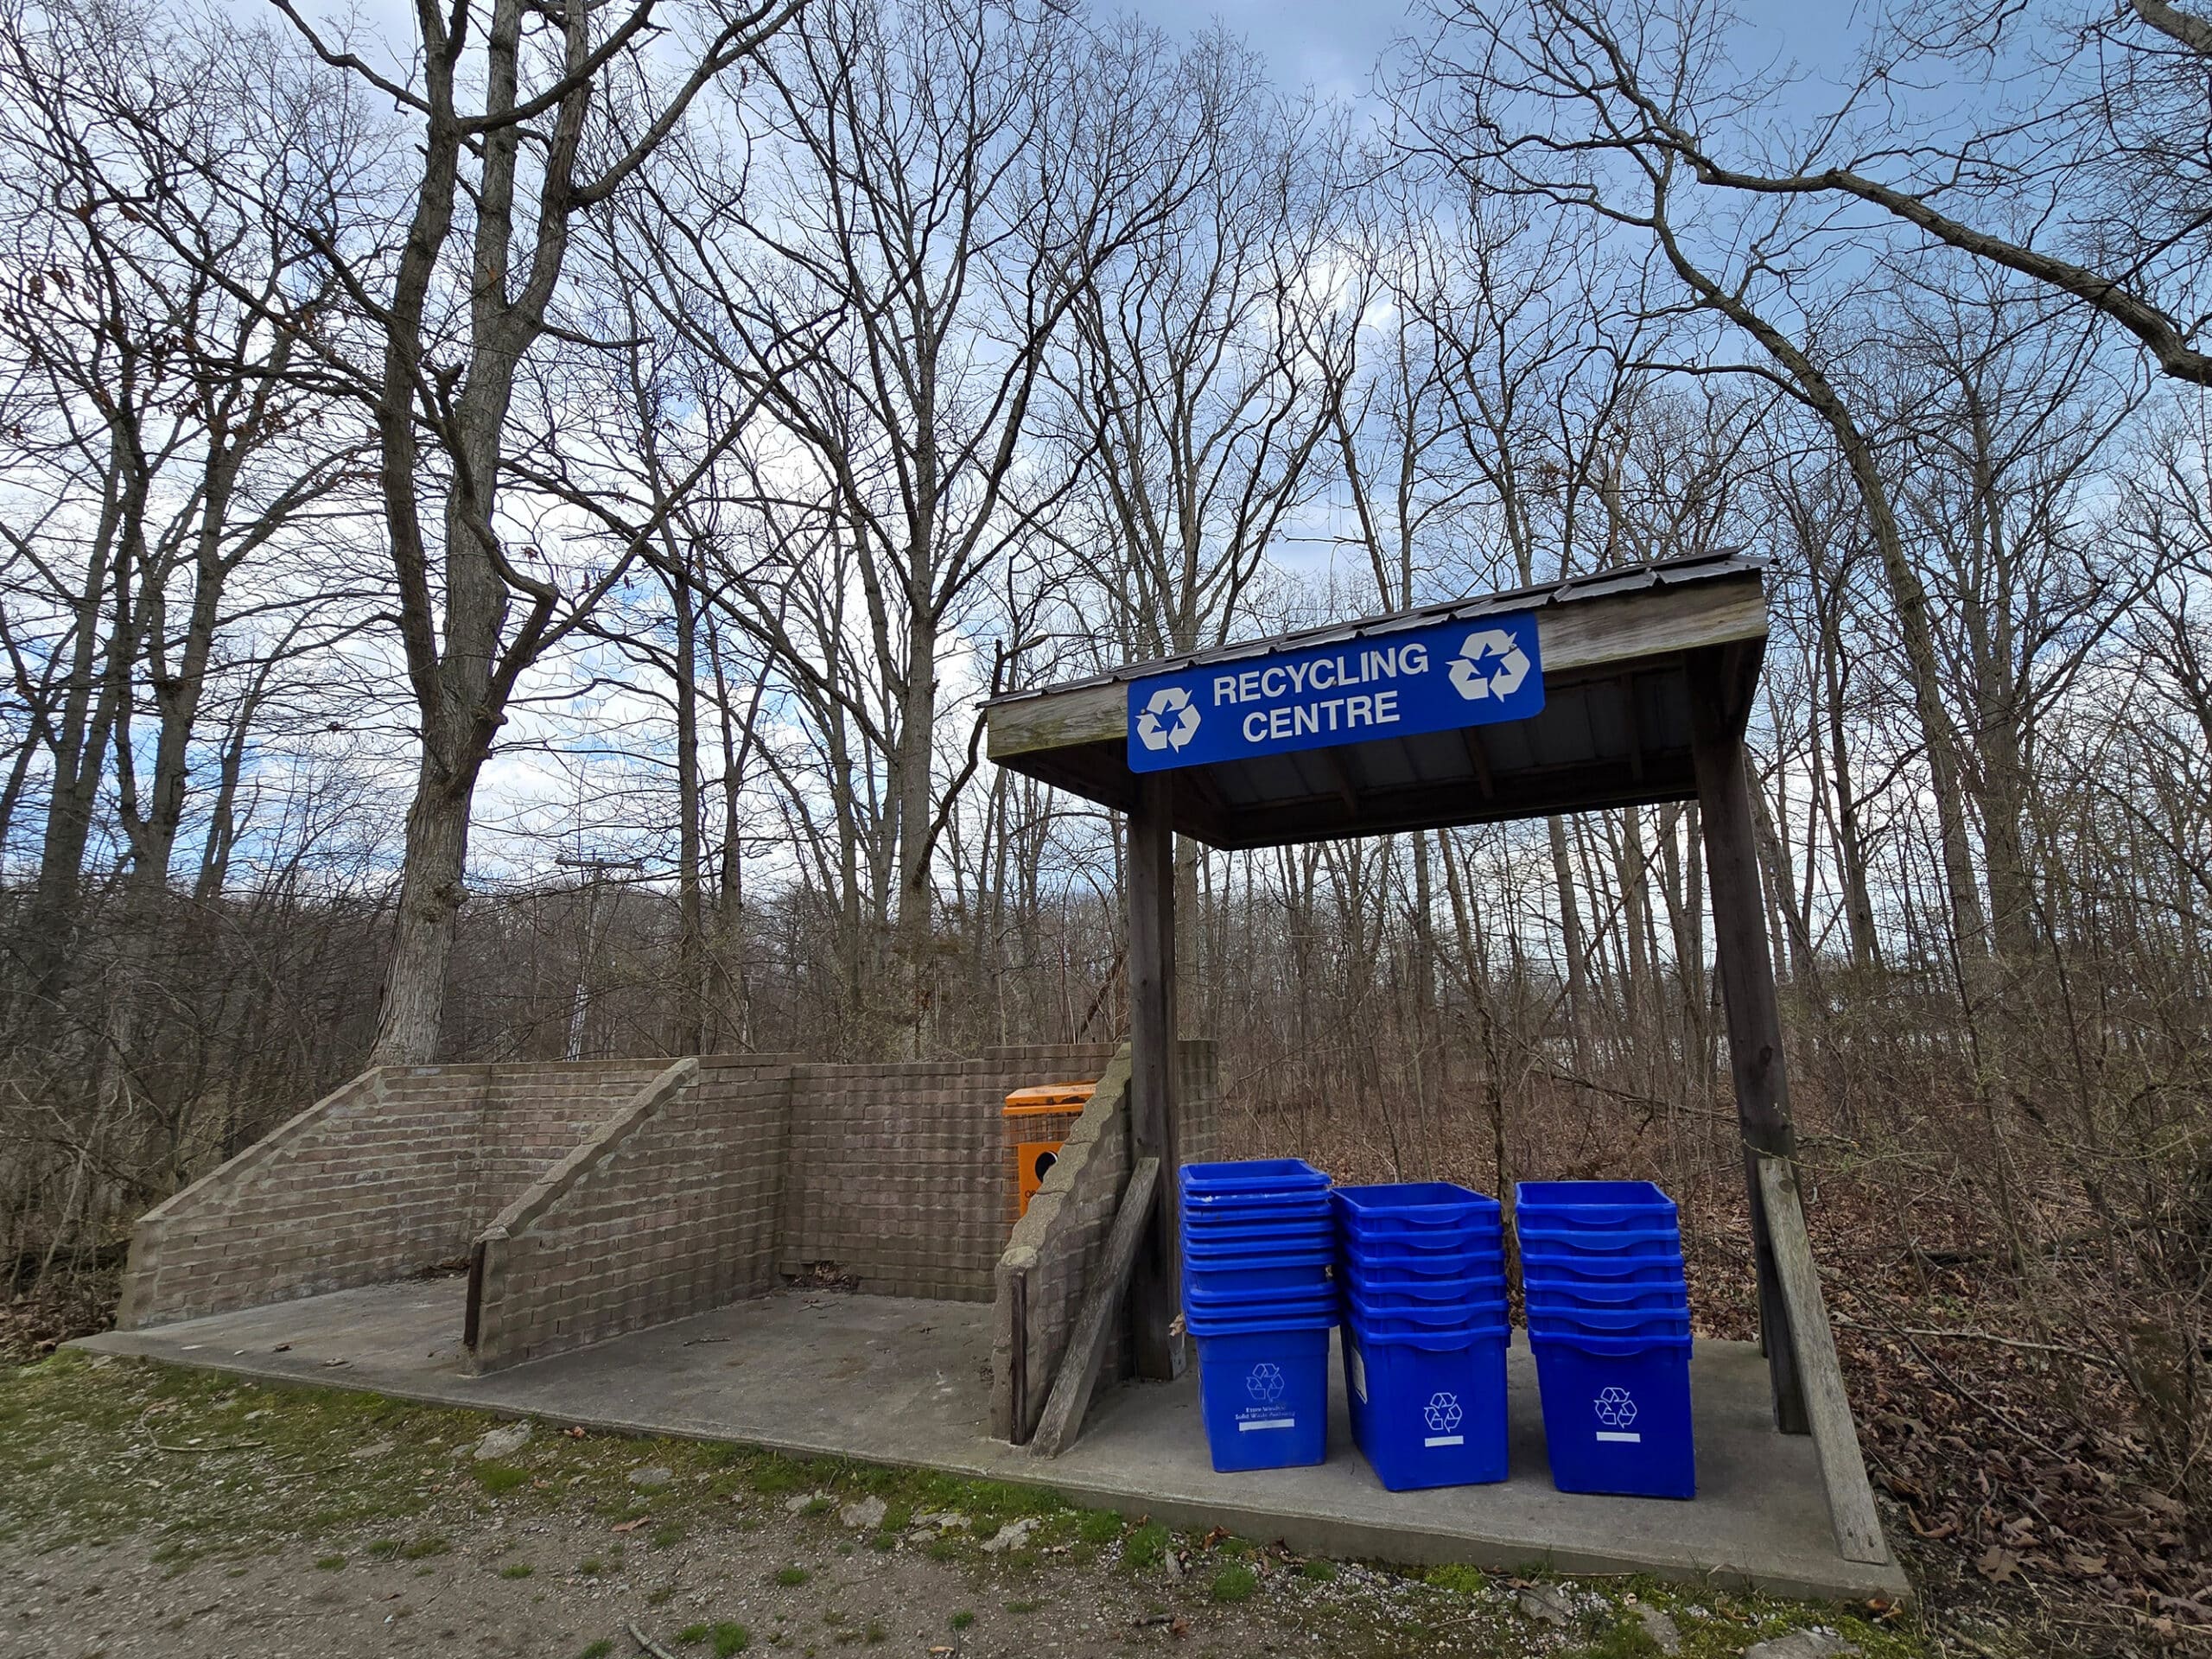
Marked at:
<point>1266,1385</point>
<point>1616,1410</point>
<point>1442,1418</point>
<point>1391,683</point>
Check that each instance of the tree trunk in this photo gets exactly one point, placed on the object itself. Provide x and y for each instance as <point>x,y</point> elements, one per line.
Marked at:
<point>690,941</point>
<point>431,894</point>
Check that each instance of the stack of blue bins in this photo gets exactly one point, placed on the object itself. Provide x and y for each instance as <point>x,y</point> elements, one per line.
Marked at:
<point>1258,1243</point>
<point>1422,1266</point>
<point>1609,1322</point>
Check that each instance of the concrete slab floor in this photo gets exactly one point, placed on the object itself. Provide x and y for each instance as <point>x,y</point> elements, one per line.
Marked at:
<point>899,1381</point>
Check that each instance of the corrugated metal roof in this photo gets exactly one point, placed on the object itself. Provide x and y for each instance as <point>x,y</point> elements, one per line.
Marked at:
<point>1599,584</point>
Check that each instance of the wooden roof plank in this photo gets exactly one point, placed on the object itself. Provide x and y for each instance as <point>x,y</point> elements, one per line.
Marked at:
<point>1574,634</point>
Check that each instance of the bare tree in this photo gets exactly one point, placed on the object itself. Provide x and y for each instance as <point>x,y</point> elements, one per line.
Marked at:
<point>572,104</point>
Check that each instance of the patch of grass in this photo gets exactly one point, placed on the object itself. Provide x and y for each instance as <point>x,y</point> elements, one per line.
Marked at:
<point>883,1542</point>
<point>328,1563</point>
<point>944,1549</point>
<point>875,1632</point>
<point>730,1637</point>
<point>1023,1606</point>
<point>1457,1577</point>
<point>591,1567</point>
<point>598,1649</point>
<point>661,1594</point>
<point>1233,1583</point>
<point>666,1535</point>
<point>420,1549</point>
<point>775,1477</point>
<point>818,1504</point>
<point>517,1570</point>
<point>792,1576</point>
<point>1320,1572</point>
<point>500,1478</point>
<point>691,1635</point>
<point>1098,1527</point>
<point>383,1549</point>
<point>962,1619</point>
<point>1146,1546</point>
<point>1626,1640</point>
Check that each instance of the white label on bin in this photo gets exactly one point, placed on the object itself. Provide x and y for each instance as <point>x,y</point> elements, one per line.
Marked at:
<point>1359,1374</point>
<point>1616,1434</point>
<point>1446,1440</point>
<point>1251,1423</point>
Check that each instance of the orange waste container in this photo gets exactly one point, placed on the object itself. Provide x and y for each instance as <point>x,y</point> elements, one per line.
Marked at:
<point>1038,1120</point>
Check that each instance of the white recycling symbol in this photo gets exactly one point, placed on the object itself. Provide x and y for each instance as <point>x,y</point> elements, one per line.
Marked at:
<point>1615,1409</point>
<point>1169,721</point>
<point>1442,1413</point>
<point>1491,664</point>
<point>1265,1384</point>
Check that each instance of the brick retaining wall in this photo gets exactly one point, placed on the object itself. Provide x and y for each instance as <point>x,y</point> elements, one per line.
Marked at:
<point>388,1175</point>
<point>898,1174</point>
<point>668,1209</point>
<point>600,1211</point>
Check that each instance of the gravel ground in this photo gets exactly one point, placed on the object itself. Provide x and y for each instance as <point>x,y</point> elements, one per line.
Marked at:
<point>150,1510</point>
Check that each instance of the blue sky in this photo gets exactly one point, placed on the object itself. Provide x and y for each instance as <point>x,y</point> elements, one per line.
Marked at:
<point>1333,45</point>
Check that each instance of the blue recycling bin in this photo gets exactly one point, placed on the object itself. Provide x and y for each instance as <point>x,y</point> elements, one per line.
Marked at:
<point>1608,1309</point>
<point>1259,1300</point>
<point>1263,1388</point>
<point>1428,1409</point>
<point>1422,1267</point>
<point>1617,1413</point>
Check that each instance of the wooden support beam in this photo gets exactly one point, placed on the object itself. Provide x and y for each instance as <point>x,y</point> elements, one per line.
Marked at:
<point>1719,705</point>
<point>1332,761</point>
<point>1153,1129</point>
<point>1478,757</point>
<point>1633,718</point>
<point>1017,1297</point>
<point>1086,1349</point>
<point>1835,1436</point>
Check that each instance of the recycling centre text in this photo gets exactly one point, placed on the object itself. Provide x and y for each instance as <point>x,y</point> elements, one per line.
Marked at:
<point>1437,678</point>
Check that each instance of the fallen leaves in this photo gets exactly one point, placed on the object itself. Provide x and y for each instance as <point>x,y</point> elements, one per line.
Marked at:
<point>1998,1564</point>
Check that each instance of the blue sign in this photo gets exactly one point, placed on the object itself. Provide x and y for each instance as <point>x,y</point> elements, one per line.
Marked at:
<point>1432,679</point>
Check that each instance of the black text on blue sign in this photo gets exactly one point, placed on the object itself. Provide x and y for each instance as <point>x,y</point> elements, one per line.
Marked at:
<point>1432,679</point>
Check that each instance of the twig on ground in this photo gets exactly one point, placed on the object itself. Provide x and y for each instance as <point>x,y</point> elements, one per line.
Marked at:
<point>1987,1336</point>
<point>646,1641</point>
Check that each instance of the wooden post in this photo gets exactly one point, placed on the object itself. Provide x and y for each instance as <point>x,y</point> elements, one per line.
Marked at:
<point>1086,1349</point>
<point>1157,1349</point>
<point>1017,1300</point>
<point>1835,1437</point>
<point>1720,681</point>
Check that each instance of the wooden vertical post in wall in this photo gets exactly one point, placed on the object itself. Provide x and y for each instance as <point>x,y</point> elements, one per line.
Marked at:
<point>1158,1350</point>
<point>1721,686</point>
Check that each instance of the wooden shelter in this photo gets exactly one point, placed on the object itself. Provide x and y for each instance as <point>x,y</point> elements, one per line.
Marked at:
<point>1632,686</point>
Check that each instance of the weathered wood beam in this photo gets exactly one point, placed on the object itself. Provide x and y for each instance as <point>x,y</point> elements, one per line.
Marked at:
<point>1478,757</point>
<point>1835,1436</point>
<point>1152,1129</point>
<point>1573,636</point>
<point>1332,762</point>
<point>1717,708</point>
<point>1101,1300</point>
